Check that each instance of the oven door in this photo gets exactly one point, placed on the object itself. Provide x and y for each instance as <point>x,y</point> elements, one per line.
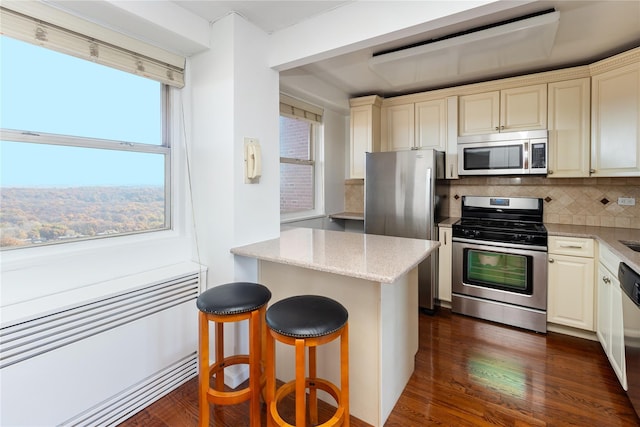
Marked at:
<point>497,272</point>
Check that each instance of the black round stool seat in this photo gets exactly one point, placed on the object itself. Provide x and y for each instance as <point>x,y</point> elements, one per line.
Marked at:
<point>306,316</point>
<point>233,298</point>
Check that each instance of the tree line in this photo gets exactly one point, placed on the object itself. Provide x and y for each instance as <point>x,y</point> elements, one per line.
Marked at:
<point>34,215</point>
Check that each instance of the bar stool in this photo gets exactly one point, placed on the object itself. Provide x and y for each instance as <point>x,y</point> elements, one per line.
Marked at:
<point>232,302</point>
<point>307,321</point>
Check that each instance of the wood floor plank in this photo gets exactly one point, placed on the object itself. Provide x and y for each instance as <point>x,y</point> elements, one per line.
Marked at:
<point>469,372</point>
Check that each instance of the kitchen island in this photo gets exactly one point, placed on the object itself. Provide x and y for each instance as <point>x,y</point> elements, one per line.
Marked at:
<point>376,279</point>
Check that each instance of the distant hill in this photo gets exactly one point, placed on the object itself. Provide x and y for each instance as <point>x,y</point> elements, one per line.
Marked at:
<point>46,215</point>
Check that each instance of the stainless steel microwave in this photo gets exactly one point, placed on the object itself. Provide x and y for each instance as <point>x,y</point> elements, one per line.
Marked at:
<point>508,153</point>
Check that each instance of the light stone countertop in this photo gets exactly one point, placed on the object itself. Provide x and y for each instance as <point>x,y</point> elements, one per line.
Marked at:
<point>357,216</point>
<point>365,256</point>
<point>448,222</point>
<point>609,236</point>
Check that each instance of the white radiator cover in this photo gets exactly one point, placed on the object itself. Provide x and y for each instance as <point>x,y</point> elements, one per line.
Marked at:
<point>99,362</point>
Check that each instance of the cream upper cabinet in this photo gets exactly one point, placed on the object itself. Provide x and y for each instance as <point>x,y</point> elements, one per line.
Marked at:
<point>615,137</point>
<point>415,126</point>
<point>431,124</point>
<point>479,113</point>
<point>451,153</point>
<point>365,132</point>
<point>569,113</point>
<point>571,282</point>
<point>398,127</point>
<point>508,110</point>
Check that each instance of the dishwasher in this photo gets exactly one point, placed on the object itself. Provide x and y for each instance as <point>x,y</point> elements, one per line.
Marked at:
<point>630,284</point>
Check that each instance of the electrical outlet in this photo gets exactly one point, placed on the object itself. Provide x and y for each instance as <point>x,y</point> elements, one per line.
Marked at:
<point>626,201</point>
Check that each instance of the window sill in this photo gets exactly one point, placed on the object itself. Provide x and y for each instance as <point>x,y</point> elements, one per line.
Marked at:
<point>45,271</point>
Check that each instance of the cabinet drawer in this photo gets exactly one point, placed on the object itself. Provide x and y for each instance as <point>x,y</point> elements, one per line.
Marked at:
<point>608,259</point>
<point>574,246</point>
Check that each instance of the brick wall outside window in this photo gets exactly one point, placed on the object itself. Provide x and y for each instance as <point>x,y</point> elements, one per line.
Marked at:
<point>296,181</point>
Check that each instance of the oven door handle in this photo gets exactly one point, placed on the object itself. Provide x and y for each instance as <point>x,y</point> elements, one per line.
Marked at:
<point>500,244</point>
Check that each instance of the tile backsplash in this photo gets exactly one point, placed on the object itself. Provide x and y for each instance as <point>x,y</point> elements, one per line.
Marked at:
<point>354,195</point>
<point>578,201</point>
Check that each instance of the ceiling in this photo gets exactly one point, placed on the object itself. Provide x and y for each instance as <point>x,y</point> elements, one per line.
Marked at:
<point>587,31</point>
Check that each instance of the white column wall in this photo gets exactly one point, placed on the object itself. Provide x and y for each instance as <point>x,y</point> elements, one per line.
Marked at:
<point>234,94</point>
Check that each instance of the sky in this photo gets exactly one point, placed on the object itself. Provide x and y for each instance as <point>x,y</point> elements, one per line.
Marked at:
<point>46,91</point>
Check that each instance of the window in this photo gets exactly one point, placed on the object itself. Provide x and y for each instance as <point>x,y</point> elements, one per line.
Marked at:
<point>83,151</point>
<point>300,160</point>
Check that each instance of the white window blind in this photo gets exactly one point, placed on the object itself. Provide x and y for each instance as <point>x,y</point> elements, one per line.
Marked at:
<point>164,67</point>
<point>293,107</point>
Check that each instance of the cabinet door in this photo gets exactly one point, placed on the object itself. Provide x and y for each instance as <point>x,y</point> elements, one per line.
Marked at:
<point>615,138</point>
<point>569,128</point>
<point>603,327</point>
<point>398,132</point>
<point>451,157</point>
<point>523,108</point>
<point>617,334</point>
<point>365,135</point>
<point>431,124</point>
<point>571,291</point>
<point>479,113</point>
<point>444,264</point>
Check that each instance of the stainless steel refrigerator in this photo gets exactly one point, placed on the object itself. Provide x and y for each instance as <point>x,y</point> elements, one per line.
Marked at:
<point>402,199</point>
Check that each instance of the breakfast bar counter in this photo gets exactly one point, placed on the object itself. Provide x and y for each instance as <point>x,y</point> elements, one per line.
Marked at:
<point>376,279</point>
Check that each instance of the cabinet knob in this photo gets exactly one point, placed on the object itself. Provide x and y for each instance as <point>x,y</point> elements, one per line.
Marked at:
<point>501,127</point>
<point>497,127</point>
<point>592,171</point>
<point>551,260</point>
<point>550,172</point>
<point>605,279</point>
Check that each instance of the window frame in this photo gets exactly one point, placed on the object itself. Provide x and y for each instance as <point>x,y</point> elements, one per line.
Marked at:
<point>52,270</point>
<point>164,148</point>
<point>316,141</point>
<point>26,136</point>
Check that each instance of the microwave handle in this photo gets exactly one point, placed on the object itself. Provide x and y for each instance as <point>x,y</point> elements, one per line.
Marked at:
<point>526,155</point>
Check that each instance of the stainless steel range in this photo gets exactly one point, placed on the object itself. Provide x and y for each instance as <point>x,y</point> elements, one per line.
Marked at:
<point>500,261</point>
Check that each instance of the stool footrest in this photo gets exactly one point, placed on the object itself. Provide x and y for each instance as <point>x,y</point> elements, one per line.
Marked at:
<point>241,359</point>
<point>221,397</point>
<point>310,383</point>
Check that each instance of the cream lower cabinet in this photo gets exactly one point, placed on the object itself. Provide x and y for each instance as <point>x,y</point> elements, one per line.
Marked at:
<point>571,282</point>
<point>444,264</point>
<point>569,115</point>
<point>609,328</point>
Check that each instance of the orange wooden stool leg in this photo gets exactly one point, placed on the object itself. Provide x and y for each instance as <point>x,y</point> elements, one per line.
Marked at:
<point>219,354</point>
<point>300,384</point>
<point>254,368</point>
<point>313,393</point>
<point>203,374</point>
<point>270,371</point>
<point>344,373</point>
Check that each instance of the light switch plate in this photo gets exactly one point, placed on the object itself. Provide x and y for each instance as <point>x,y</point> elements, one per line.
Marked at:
<point>626,201</point>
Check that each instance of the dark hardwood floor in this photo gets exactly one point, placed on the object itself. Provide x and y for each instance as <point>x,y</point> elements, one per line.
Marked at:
<point>469,373</point>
